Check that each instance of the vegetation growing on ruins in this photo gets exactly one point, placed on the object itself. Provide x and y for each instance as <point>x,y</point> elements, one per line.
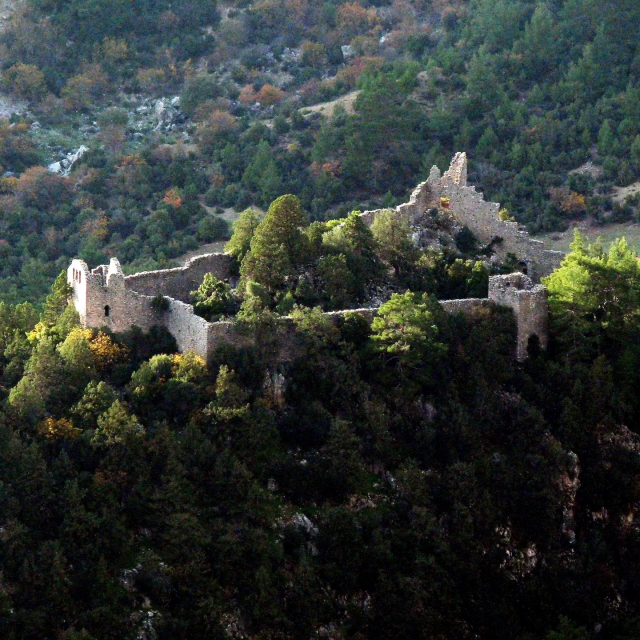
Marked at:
<point>542,95</point>
<point>335,265</point>
<point>406,479</point>
<point>400,479</point>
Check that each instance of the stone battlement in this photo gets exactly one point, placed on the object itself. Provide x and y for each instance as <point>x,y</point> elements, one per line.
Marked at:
<point>469,208</point>
<point>104,297</point>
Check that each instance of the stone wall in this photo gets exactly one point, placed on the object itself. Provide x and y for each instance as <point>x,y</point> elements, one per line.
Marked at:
<point>516,291</point>
<point>190,331</point>
<point>529,304</point>
<point>469,208</point>
<point>180,282</point>
<point>102,299</point>
<point>368,313</point>
<point>466,306</point>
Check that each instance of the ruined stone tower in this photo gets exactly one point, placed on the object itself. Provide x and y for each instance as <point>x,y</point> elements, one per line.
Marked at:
<point>105,297</point>
<point>529,305</point>
<point>99,297</point>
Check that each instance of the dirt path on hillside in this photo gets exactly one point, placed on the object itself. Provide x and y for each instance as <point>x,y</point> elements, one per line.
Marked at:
<point>230,215</point>
<point>327,108</point>
<point>560,241</point>
<point>622,193</point>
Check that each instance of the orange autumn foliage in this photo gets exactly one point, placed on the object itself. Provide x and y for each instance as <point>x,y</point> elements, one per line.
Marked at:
<point>267,96</point>
<point>568,201</point>
<point>353,19</point>
<point>173,199</point>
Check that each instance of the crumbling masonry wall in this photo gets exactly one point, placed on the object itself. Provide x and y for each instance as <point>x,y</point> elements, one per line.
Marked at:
<point>469,208</point>
<point>103,297</point>
<point>178,283</point>
<point>529,304</point>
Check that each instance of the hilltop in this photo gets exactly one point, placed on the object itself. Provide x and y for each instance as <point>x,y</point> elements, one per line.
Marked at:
<point>392,477</point>
<point>368,447</point>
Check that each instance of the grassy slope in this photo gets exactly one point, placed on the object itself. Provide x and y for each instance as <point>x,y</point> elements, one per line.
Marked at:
<point>608,233</point>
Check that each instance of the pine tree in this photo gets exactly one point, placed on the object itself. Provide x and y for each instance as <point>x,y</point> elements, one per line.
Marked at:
<point>392,235</point>
<point>405,330</point>
<point>117,426</point>
<point>243,229</point>
<point>57,301</point>
<point>277,246</point>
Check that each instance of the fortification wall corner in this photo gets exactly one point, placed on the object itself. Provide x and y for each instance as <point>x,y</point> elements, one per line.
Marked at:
<point>190,331</point>
<point>78,275</point>
<point>101,299</point>
<point>115,275</point>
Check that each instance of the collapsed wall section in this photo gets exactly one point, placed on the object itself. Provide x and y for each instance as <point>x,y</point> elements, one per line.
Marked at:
<point>178,283</point>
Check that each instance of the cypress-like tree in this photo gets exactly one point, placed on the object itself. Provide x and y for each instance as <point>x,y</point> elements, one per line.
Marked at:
<point>278,244</point>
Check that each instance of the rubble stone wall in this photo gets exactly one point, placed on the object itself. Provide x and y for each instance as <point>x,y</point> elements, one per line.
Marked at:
<point>190,331</point>
<point>466,306</point>
<point>469,208</point>
<point>529,304</point>
<point>102,300</point>
<point>105,297</point>
<point>180,282</point>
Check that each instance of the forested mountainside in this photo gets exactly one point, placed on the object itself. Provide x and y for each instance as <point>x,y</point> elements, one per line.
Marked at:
<point>191,108</point>
<point>404,480</point>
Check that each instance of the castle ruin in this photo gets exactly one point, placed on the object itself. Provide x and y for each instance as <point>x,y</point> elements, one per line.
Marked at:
<point>469,208</point>
<point>105,297</point>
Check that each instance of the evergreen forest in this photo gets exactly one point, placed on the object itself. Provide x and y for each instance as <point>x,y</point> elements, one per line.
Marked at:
<point>192,111</point>
<point>404,479</point>
<point>394,479</point>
